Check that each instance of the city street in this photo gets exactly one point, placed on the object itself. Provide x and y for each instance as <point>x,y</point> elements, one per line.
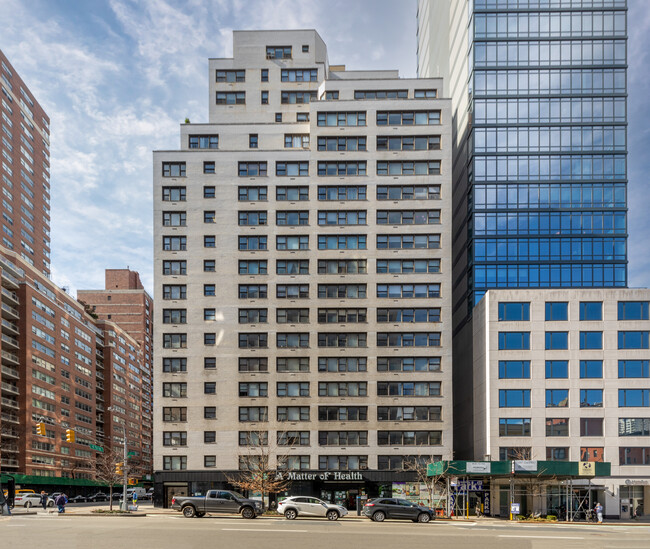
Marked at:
<point>171,531</point>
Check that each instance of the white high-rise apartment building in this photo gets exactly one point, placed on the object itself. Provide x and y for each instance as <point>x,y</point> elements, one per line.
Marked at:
<point>303,274</point>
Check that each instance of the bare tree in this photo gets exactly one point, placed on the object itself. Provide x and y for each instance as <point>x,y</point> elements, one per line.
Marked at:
<point>435,484</point>
<point>261,464</point>
<point>106,470</point>
<point>531,485</point>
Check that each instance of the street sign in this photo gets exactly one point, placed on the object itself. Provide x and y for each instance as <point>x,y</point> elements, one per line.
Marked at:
<point>130,454</point>
<point>586,469</point>
<point>514,508</point>
<point>95,447</point>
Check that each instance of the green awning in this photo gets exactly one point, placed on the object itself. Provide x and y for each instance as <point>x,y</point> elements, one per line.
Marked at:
<point>542,469</point>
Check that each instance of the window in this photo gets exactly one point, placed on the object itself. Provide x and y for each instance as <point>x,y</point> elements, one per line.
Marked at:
<point>342,413</point>
<point>557,398</point>
<point>305,48</point>
<point>632,340</point>
<point>408,315</point>
<point>172,291</point>
<point>341,389</point>
<point>514,311</point>
<point>341,168</point>
<point>557,311</point>
<point>331,95</point>
<point>291,169</point>
<point>278,52</point>
<point>297,97</point>
<point>231,98</point>
<point>293,389</point>
<point>342,463</point>
<point>253,389</point>
<point>278,117</point>
<point>252,194</point>
<point>409,413</point>
<point>342,266</point>
<point>408,266</point>
<point>514,398</point>
<point>209,461</point>
<point>408,217</point>
<point>173,169</point>
<point>633,398</point>
<point>514,369</point>
<point>342,143</point>
<point>292,316</point>
<point>592,426</point>
<point>342,364</point>
<point>591,340</point>
<point>251,169</point>
<point>590,398</point>
<point>174,243</point>
<point>209,241</point>
<point>292,364</point>
<point>557,427</point>
<point>409,438</point>
<point>208,192</point>
<point>252,218</point>
<point>293,413</point>
<point>380,94</point>
<point>514,427</point>
<point>252,242</point>
<point>634,455</point>
<point>174,267</point>
<point>633,427</point>
<point>408,241</point>
<point>408,192</point>
<point>210,388</point>
<point>556,340</point>
<point>175,390</point>
<point>291,193</point>
<point>209,266</point>
<point>174,316</point>
<point>557,454</point>
<point>337,316</point>
<point>302,117</point>
<point>209,290</point>
<point>291,266</point>
<point>253,413</point>
<point>514,340</point>
<point>592,453</point>
<point>291,218</point>
<point>350,242</point>
<point>331,339</point>
<point>252,291</point>
<point>298,242</point>
<point>174,219</point>
<point>341,118</point>
<point>264,100</point>
<point>253,340</point>
<point>591,369</point>
<point>209,167</point>
<point>209,314</point>
<point>341,217</point>
<point>264,75</point>
<point>413,389</point>
<point>407,118</point>
<point>252,141</point>
<point>174,341</point>
<point>299,75</point>
<point>297,141</point>
<point>633,368</point>
<point>254,364</point>
<point>174,365</point>
<point>173,194</point>
<point>395,291</point>
<point>203,141</point>
<point>231,76</point>
<point>591,310</point>
<point>174,463</point>
<point>209,412</point>
<point>351,291</point>
<point>633,310</point>
<point>253,267</point>
<point>174,414</point>
<point>425,94</point>
<point>292,340</point>
<point>342,193</point>
<point>428,167</point>
<point>248,438</point>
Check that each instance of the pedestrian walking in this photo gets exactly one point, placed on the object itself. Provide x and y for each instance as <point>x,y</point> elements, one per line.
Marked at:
<point>599,512</point>
<point>43,500</point>
<point>61,501</point>
<point>477,509</point>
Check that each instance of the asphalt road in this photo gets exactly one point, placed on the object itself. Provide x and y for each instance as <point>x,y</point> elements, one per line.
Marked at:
<point>170,531</point>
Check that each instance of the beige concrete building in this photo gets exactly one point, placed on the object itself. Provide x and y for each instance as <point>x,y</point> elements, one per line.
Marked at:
<point>303,272</point>
<point>562,375</point>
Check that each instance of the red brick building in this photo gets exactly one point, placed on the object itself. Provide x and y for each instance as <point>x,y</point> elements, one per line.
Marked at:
<point>25,171</point>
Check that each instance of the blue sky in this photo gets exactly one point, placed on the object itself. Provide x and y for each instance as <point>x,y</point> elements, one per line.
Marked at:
<point>118,76</point>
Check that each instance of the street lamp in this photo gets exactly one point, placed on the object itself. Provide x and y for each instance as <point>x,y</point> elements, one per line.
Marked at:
<point>124,506</point>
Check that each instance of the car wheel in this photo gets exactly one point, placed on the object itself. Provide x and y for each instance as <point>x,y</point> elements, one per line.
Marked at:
<point>424,517</point>
<point>189,511</point>
<point>290,514</point>
<point>50,504</point>
<point>379,516</point>
<point>248,513</point>
<point>28,504</point>
<point>332,515</point>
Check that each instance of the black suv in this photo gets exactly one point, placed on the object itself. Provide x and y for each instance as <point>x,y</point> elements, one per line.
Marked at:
<point>394,508</point>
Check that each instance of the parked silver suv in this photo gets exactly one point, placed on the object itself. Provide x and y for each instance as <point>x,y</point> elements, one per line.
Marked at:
<point>310,507</point>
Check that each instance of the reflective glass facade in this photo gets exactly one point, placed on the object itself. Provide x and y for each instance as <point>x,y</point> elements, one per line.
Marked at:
<point>547,176</point>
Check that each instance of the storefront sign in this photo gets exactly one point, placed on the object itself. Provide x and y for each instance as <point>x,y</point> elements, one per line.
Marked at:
<point>631,482</point>
<point>470,485</point>
<point>586,469</point>
<point>486,503</point>
<point>526,465</point>
<point>324,475</point>
<point>478,467</point>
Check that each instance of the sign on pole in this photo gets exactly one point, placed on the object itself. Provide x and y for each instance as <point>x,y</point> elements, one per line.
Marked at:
<point>586,469</point>
<point>96,448</point>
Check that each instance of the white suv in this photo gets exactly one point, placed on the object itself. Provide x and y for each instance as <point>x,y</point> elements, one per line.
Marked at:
<point>310,507</point>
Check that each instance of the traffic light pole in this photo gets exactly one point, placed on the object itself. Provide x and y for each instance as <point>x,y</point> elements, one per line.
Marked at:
<point>125,505</point>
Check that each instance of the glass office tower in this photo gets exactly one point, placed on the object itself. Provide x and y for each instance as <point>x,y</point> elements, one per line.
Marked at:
<point>539,98</point>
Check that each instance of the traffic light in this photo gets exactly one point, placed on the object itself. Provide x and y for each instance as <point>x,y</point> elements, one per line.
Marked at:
<point>119,468</point>
<point>69,435</point>
<point>40,429</point>
<point>133,481</point>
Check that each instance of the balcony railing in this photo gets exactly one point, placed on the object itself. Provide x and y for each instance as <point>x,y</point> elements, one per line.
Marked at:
<point>9,388</point>
<point>10,372</point>
<point>9,403</point>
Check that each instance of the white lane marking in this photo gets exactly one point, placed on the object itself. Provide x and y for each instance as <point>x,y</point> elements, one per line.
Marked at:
<point>538,537</point>
<point>261,530</point>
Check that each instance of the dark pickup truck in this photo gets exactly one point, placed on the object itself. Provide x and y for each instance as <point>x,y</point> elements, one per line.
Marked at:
<point>217,501</point>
